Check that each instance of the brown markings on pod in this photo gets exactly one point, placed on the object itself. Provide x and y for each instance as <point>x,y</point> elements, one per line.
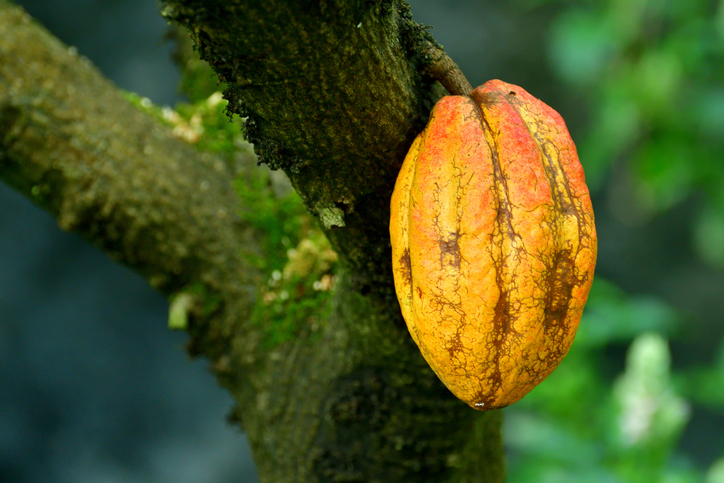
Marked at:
<point>493,243</point>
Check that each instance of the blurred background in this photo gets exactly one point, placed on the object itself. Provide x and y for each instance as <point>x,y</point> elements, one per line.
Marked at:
<point>97,389</point>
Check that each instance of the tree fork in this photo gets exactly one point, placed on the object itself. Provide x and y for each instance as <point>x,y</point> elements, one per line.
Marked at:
<point>357,401</point>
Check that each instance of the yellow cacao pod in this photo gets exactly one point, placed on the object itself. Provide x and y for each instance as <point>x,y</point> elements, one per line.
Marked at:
<point>493,243</point>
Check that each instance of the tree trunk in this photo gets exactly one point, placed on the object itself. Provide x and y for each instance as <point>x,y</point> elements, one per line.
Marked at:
<point>333,96</point>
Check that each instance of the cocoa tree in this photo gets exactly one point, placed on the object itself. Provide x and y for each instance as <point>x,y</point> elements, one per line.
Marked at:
<point>333,93</point>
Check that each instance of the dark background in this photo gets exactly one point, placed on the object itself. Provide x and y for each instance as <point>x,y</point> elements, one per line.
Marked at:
<point>96,388</point>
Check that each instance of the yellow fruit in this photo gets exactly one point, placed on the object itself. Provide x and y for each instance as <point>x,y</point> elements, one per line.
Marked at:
<point>493,243</point>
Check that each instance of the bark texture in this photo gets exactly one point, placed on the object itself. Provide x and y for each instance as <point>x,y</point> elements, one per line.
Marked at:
<point>333,97</point>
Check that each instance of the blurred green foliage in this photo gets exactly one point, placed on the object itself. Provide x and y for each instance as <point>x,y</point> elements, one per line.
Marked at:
<point>653,76</point>
<point>579,425</point>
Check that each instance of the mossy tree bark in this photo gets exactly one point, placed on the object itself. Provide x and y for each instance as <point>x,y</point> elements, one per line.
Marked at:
<point>334,97</point>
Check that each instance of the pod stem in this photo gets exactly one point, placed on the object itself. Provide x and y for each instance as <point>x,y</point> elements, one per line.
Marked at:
<point>444,70</point>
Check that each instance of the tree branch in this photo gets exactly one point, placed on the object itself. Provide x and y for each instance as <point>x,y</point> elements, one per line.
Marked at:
<point>73,144</point>
<point>334,98</point>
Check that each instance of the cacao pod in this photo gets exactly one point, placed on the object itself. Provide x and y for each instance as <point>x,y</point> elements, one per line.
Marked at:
<point>493,243</point>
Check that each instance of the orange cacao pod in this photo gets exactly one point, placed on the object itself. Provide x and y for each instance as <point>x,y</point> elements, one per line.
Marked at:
<point>493,243</point>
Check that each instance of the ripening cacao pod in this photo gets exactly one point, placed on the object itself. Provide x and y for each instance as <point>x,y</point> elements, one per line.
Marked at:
<point>493,243</point>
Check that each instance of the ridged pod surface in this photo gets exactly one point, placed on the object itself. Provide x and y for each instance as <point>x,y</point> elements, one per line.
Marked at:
<point>493,243</point>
